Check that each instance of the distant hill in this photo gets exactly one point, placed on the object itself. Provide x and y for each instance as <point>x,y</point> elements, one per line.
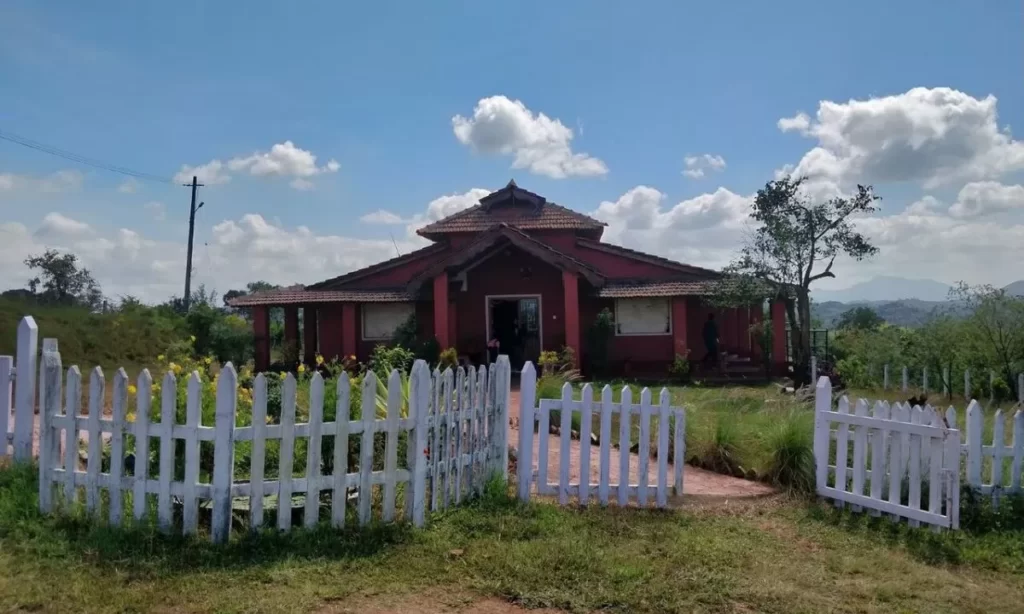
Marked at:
<point>886,288</point>
<point>908,312</point>
<point>1016,288</point>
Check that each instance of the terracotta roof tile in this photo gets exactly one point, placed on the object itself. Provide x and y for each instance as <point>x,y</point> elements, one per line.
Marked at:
<point>632,253</point>
<point>298,296</point>
<point>547,216</point>
<point>636,289</point>
<point>380,266</point>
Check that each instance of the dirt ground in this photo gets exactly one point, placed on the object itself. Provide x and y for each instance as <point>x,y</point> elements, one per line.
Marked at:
<point>429,602</point>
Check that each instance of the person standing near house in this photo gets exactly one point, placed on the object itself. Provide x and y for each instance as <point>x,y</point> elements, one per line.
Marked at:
<point>711,341</point>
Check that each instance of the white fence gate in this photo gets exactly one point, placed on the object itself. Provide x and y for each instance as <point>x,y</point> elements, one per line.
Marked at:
<point>454,424</point>
<point>670,423</point>
<point>992,457</point>
<point>877,456</point>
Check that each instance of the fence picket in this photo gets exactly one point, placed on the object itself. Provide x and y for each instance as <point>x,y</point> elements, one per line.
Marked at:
<point>543,440</point>
<point>164,432</point>
<point>644,449</point>
<point>914,472</point>
<point>72,402</point>
<point>419,405</point>
<point>119,414</point>
<point>483,423</point>
<point>436,478</point>
<point>663,426</point>
<point>625,427</point>
<point>446,449</point>
<point>860,444</point>
<point>604,479</point>
<point>935,485</point>
<point>25,389</point>
<point>259,451</point>
<point>50,372</point>
<point>586,421</point>
<point>224,453</point>
<point>842,448</point>
<point>878,453</point>
<point>565,441</point>
<point>895,462</point>
<point>679,450</point>
<point>193,419</point>
<point>316,419</point>
<point>975,428</point>
<point>6,401</point>
<point>391,445</point>
<point>286,463</point>
<point>369,417</point>
<point>342,416</point>
<point>501,431</point>
<point>92,479</point>
<point>143,397</point>
<point>822,432</point>
<point>998,441</point>
<point>1018,450</point>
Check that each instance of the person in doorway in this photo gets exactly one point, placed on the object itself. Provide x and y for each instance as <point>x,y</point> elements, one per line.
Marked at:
<point>493,349</point>
<point>710,334</point>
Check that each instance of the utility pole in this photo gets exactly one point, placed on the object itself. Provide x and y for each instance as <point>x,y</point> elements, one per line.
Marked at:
<point>191,233</point>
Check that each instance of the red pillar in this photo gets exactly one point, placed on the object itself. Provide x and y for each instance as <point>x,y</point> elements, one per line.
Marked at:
<point>679,324</point>
<point>744,331</point>
<point>756,318</point>
<point>348,329</point>
<point>453,335</point>
<point>291,331</point>
<point>570,284</point>
<point>441,310</point>
<point>309,328</point>
<point>779,335</point>
<point>261,337</point>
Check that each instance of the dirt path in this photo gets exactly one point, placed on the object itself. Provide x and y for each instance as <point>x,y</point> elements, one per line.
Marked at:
<point>695,481</point>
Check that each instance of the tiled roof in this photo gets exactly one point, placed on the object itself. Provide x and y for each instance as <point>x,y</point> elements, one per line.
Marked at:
<point>298,296</point>
<point>374,268</point>
<point>632,253</point>
<point>547,216</point>
<point>636,289</point>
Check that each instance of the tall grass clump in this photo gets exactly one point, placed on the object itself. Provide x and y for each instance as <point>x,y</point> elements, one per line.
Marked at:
<point>791,461</point>
<point>721,451</point>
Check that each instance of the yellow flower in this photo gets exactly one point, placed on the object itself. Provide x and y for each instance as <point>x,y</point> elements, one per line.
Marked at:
<point>270,419</point>
<point>283,375</point>
<point>160,358</point>
<point>176,368</point>
<point>352,357</point>
<point>130,417</point>
<point>319,360</point>
<point>132,389</point>
<point>208,360</point>
<point>192,338</point>
<point>302,368</point>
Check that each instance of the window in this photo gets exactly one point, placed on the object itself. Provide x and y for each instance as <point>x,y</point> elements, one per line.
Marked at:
<point>380,320</point>
<point>643,316</point>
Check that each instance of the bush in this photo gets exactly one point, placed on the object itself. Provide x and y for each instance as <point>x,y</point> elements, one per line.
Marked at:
<point>448,359</point>
<point>680,367</point>
<point>384,359</point>
<point>721,452</point>
<point>792,454</point>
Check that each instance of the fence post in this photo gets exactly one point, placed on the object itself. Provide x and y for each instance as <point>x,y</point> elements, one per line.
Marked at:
<point>906,380</point>
<point>967,384</point>
<point>49,397</point>
<point>524,459</point>
<point>822,404</point>
<point>975,427</point>
<point>419,407</point>
<point>25,388</point>
<point>885,377</point>
<point>991,385</point>
<point>924,380</point>
<point>224,454</point>
<point>814,368</point>
<point>947,386</point>
<point>1020,388</point>
<point>505,381</point>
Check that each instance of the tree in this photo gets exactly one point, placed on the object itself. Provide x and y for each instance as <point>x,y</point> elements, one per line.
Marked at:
<point>62,281</point>
<point>250,288</point>
<point>995,329</point>
<point>795,244</point>
<point>859,318</point>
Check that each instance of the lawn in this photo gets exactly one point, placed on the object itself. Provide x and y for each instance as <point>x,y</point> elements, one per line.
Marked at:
<point>776,555</point>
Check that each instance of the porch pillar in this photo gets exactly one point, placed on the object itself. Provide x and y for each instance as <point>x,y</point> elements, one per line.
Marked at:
<point>779,335</point>
<point>348,329</point>
<point>309,328</point>
<point>744,330</point>
<point>261,337</point>
<point>679,324</point>
<point>756,318</point>
<point>441,310</point>
<point>570,284</point>
<point>291,331</point>
<point>453,329</point>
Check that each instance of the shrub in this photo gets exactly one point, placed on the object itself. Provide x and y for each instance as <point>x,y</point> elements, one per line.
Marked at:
<point>721,452</point>
<point>680,367</point>
<point>384,359</point>
<point>448,359</point>
<point>792,454</point>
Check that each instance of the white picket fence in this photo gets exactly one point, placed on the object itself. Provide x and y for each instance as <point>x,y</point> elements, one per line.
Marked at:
<point>942,382</point>
<point>992,458</point>
<point>671,422</point>
<point>455,430</point>
<point>896,444</point>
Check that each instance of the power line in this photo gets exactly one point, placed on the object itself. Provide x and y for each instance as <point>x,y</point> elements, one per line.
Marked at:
<point>67,155</point>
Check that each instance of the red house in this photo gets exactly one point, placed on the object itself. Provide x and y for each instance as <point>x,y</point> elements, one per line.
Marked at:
<point>526,272</point>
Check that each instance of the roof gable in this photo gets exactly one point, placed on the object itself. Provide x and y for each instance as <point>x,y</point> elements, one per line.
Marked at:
<point>515,207</point>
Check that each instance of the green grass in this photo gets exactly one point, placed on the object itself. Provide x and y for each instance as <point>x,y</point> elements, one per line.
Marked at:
<point>774,556</point>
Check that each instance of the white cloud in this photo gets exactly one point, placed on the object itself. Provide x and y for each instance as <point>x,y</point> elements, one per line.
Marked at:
<point>541,144</point>
<point>58,225</point>
<point>157,210</point>
<point>282,160</point>
<point>128,186</point>
<point>987,198</point>
<point>381,216</point>
<point>934,136</point>
<point>211,173</point>
<point>54,183</point>
<point>697,166</point>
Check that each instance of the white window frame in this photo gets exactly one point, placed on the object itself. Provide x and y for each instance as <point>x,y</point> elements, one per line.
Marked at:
<point>668,310</point>
<point>365,307</point>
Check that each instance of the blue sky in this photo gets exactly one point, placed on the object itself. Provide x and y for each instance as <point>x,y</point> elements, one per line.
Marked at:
<point>375,87</point>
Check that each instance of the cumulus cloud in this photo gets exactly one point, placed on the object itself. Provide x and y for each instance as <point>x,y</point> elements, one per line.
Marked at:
<point>502,126</point>
<point>54,183</point>
<point>281,160</point>
<point>57,225</point>
<point>697,166</point>
<point>935,136</point>
<point>157,210</point>
<point>985,198</point>
<point>128,186</point>
<point>380,216</point>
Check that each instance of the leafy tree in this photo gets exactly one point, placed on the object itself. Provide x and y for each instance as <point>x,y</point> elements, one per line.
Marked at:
<point>250,288</point>
<point>62,280</point>
<point>795,243</point>
<point>995,329</point>
<point>860,318</point>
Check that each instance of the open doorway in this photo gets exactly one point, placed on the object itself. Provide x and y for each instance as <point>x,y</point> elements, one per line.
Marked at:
<point>513,322</point>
